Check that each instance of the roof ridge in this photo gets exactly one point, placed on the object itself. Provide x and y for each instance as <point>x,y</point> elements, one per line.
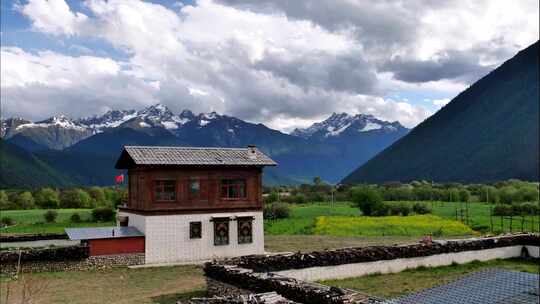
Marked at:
<point>188,147</point>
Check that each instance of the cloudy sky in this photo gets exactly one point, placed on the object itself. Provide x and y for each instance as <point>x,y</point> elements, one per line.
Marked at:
<point>283,63</point>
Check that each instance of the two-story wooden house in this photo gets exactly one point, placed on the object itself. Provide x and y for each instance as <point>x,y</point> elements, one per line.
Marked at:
<point>195,204</point>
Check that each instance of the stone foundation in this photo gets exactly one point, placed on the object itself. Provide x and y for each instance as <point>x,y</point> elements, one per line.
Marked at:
<point>90,263</point>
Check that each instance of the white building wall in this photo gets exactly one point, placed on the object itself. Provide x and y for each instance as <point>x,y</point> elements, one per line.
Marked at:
<point>167,237</point>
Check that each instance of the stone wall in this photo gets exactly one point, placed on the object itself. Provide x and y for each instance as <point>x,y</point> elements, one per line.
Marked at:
<point>290,288</point>
<point>91,263</point>
<point>262,263</point>
<point>276,273</point>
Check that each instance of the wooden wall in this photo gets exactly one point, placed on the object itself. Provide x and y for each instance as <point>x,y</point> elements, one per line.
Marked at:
<point>116,246</point>
<point>141,189</point>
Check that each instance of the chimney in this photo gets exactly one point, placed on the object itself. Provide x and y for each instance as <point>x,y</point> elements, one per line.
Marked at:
<point>252,151</point>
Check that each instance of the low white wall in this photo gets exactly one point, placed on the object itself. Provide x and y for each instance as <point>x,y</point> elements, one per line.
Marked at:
<point>397,265</point>
<point>167,237</point>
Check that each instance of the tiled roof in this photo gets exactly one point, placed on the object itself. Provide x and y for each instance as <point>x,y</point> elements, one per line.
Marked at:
<point>150,155</point>
<point>102,233</point>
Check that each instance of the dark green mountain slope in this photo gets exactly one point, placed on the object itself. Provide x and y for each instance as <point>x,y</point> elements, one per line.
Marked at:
<point>488,132</point>
<point>22,169</point>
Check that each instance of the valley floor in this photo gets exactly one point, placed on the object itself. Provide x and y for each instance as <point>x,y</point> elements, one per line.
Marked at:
<point>166,285</point>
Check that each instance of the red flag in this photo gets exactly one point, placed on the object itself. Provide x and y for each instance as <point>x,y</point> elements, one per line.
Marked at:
<point>119,178</point>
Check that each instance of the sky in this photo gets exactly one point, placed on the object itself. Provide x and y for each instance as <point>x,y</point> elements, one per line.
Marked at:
<point>283,63</point>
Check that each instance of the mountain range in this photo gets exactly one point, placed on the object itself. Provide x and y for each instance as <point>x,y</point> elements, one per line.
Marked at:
<point>83,151</point>
<point>489,132</point>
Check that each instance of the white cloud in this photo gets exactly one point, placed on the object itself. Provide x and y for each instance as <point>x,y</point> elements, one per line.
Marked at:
<point>53,16</point>
<point>285,67</point>
<point>441,102</point>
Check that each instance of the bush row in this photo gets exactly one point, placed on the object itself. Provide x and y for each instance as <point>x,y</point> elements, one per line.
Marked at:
<point>49,198</point>
<point>102,214</point>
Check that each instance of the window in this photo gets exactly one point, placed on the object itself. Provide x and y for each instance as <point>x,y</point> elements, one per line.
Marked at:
<point>245,231</point>
<point>195,230</point>
<point>194,188</point>
<point>221,231</point>
<point>165,190</point>
<point>233,188</point>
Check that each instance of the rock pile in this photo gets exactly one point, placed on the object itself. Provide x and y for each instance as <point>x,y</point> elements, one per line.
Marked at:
<point>262,263</point>
<point>290,288</point>
<point>262,298</point>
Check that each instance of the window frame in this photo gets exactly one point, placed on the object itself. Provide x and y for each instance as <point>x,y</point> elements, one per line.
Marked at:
<point>192,195</point>
<point>229,186</point>
<point>157,197</point>
<point>226,222</point>
<point>242,239</point>
<point>192,235</point>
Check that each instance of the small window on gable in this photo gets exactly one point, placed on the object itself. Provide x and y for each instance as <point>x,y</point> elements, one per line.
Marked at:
<point>195,230</point>
<point>221,231</point>
<point>194,188</point>
<point>165,190</point>
<point>245,230</point>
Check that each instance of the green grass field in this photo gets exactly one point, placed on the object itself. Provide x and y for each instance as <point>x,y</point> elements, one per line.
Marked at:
<point>397,284</point>
<point>304,219</point>
<point>32,221</point>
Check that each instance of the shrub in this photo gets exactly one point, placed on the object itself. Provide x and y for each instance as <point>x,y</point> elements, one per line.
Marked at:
<point>298,199</point>
<point>103,214</point>
<point>367,199</point>
<point>394,209</point>
<point>529,209</point>
<point>420,208</point>
<point>399,209</point>
<point>277,211</point>
<point>381,210</point>
<point>404,209</point>
<point>502,210</point>
<point>75,218</point>
<point>6,221</point>
<point>50,216</point>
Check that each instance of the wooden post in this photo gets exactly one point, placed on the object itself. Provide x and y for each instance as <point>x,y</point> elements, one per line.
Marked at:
<point>491,218</point>
<point>511,216</point>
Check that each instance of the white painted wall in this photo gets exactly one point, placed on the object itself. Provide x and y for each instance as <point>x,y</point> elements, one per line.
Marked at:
<point>397,265</point>
<point>167,237</point>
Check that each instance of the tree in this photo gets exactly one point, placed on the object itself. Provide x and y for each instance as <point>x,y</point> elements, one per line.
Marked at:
<point>272,197</point>
<point>75,198</point>
<point>47,198</point>
<point>464,195</point>
<point>98,196</point>
<point>5,203</point>
<point>367,199</point>
<point>317,180</point>
<point>25,200</point>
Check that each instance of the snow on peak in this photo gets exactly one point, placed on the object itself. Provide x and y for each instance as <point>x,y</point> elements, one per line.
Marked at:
<point>338,123</point>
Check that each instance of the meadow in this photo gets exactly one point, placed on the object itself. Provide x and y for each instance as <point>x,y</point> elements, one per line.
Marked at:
<point>338,219</point>
<point>32,221</point>
<point>349,222</point>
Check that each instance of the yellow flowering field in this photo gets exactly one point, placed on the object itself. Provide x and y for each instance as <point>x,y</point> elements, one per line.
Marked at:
<point>415,225</point>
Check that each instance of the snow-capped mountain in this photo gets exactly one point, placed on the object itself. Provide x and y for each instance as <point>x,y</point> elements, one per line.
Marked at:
<point>57,132</point>
<point>343,123</point>
<point>327,149</point>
